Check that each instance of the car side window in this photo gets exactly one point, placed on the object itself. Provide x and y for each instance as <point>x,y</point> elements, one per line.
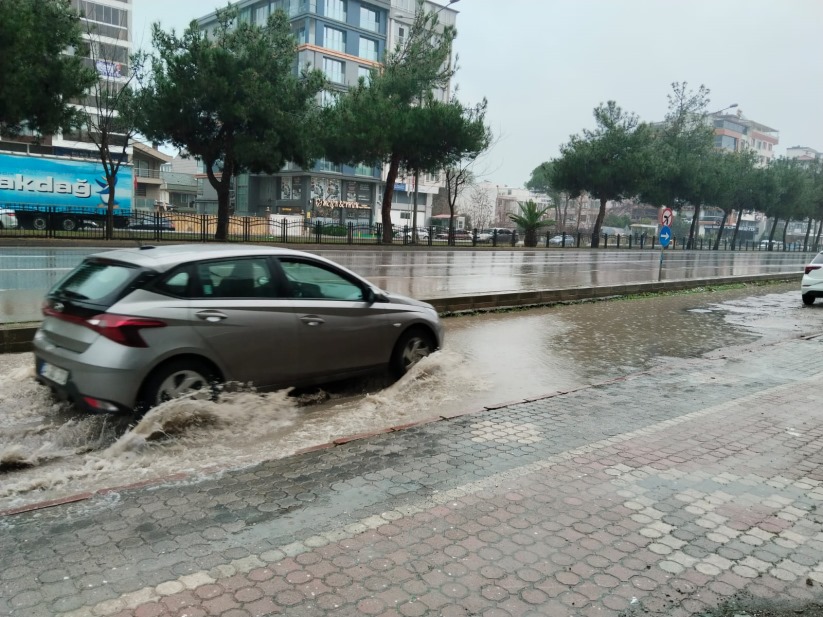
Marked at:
<point>175,284</point>
<point>235,278</point>
<point>316,281</point>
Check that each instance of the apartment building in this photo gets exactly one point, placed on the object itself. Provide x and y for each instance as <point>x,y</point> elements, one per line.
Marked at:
<point>401,17</point>
<point>735,133</point>
<point>344,39</point>
<point>804,153</point>
<point>107,37</point>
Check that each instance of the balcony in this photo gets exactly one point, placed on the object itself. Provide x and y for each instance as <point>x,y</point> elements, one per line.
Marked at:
<point>147,173</point>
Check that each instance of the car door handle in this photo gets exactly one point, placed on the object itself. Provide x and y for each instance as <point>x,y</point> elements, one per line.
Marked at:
<point>312,320</point>
<point>212,316</point>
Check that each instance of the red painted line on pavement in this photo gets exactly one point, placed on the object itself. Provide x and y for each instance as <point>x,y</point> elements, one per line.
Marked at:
<point>342,440</point>
<point>322,446</point>
<point>47,504</point>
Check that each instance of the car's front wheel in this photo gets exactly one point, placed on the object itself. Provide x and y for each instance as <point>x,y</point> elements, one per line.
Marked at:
<point>808,299</point>
<point>178,378</point>
<point>412,347</point>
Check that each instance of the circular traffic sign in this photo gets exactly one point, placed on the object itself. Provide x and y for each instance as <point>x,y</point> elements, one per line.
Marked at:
<point>665,236</point>
<point>666,217</point>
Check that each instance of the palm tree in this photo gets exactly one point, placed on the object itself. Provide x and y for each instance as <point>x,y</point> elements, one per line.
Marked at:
<point>530,220</point>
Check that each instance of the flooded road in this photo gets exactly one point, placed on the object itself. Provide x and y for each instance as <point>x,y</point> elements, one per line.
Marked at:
<point>47,451</point>
<point>27,273</point>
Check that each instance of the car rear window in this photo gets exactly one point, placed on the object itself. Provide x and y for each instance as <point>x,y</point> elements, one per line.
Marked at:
<point>818,259</point>
<point>95,282</point>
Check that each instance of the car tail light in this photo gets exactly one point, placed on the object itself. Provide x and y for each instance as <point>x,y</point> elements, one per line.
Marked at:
<point>98,404</point>
<point>810,268</point>
<point>121,329</point>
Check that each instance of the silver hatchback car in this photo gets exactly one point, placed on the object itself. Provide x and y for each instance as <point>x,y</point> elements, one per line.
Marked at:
<point>130,328</point>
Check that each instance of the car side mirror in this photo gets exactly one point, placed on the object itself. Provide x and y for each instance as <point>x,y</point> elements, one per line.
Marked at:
<point>375,295</point>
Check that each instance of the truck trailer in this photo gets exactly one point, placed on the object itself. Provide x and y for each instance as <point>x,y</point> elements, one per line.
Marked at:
<point>49,192</point>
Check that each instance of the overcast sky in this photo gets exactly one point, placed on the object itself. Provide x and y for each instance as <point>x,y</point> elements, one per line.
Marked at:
<point>544,65</point>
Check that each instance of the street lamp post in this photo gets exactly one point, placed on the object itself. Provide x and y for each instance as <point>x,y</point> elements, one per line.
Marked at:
<point>715,113</point>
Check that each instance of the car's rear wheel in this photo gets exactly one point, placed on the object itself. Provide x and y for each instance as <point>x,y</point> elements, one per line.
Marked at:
<point>178,378</point>
<point>412,347</point>
<point>808,299</point>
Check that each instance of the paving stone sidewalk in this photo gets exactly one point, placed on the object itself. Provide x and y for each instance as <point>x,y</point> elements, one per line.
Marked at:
<point>664,493</point>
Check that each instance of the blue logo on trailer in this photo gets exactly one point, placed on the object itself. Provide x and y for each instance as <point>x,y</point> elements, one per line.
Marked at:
<point>665,236</point>
<point>40,181</point>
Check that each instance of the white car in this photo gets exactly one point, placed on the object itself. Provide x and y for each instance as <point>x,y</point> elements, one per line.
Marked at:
<point>811,286</point>
<point>8,219</point>
<point>422,234</point>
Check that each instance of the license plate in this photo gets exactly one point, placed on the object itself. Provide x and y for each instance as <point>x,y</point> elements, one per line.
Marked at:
<point>54,373</point>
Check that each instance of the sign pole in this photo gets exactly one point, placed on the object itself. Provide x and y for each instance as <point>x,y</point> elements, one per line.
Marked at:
<point>660,270</point>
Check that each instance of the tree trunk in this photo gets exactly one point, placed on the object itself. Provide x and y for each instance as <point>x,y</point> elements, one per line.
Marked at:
<point>222,186</point>
<point>598,223</point>
<point>737,228</point>
<point>785,230</point>
<point>693,228</point>
<point>110,203</point>
<point>771,235</point>
<point>388,194</point>
<point>817,237</point>
<point>720,233</point>
<point>565,218</point>
<point>808,232</point>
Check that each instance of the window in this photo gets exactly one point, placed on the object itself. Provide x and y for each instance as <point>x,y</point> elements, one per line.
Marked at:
<point>95,281</point>
<point>176,284</point>
<point>309,280</point>
<point>300,34</point>
<point>401,36</point>
<point>235,278</point>
<point>368,49</point>
<point>328,98</point>
<point>364,72</point>
<point>324,165</point>
<point>334,39</point>
<point>140,190</point>
<point>261,15</point>
<point>333,70</point>
<point>104,14</point>
<point>336,9</point>
<point>363,170</point>
<point>369,19</point>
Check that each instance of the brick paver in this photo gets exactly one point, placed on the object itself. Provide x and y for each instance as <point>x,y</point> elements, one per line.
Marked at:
<point>664,493</point>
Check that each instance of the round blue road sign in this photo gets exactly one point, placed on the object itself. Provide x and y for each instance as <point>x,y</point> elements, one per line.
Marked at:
<point>665,236</point>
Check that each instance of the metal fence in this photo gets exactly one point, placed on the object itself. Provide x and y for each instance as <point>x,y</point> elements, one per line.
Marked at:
<point>177,227</point>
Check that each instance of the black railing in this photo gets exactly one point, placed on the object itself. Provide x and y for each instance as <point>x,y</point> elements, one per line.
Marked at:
<point>50,222</point>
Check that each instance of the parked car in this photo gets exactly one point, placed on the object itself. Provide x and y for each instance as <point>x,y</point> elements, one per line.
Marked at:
<point>503,235</point>
<point>130,328</point>
<point>776,245</point>
<point>811,286</point>
<point>459,234</point>
<point>159,223</point>
<point>8,219</point>
<point>484,235</point>
<point>558,240</point>
<point>422,234</point>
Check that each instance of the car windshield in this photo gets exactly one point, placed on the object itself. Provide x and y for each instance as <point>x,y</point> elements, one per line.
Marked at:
<point>94,281</point>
